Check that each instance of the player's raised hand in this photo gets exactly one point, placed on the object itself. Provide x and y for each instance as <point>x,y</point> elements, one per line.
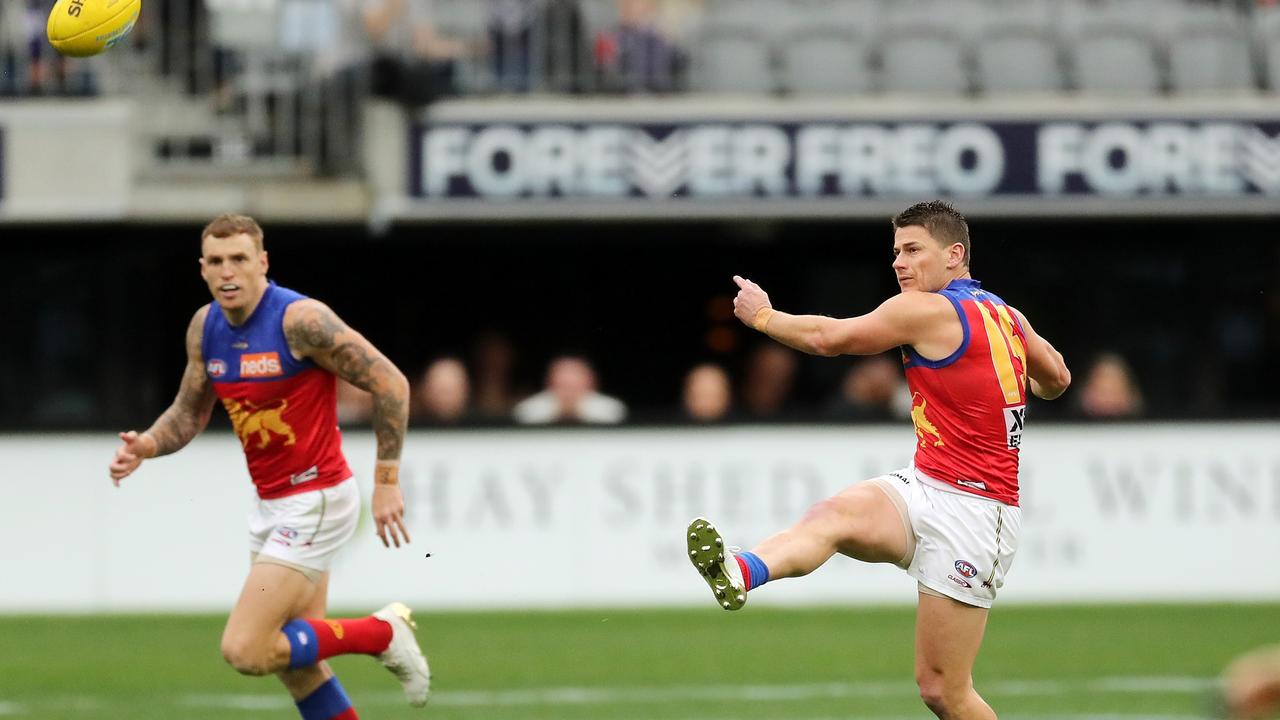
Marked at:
<point>751,299</point>
<point>388,505</point>
<point>133,450</point>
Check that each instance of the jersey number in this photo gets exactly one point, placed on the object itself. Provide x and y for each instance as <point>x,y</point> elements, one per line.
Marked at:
<point>1005,346</point>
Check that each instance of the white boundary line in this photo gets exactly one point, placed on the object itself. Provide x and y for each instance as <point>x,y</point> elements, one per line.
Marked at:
<point>583,696</point>
<point>762,693</point>
<point>1013,716</point>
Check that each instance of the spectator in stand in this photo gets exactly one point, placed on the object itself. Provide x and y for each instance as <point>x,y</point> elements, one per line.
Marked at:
<point>14,48</point>
<point>635,56</point>
<point>1109,390</point>
<point>389,47</point>
<point>444,393</point>
<point>355,406</point>
<point>28,65</point>
<point>678,18</point>
<point>767,382</point>
<point>570,397</point>
<point>493,360</point>
<point>707,397</point>
<point>873,390</point>
<point>412,61</point>
<point>537,45</point>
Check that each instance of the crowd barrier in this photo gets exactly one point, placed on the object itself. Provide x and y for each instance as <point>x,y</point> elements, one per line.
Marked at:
<point>527,519</point>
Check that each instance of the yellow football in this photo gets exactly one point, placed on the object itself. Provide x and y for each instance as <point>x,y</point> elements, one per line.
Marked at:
<point>81,28</point>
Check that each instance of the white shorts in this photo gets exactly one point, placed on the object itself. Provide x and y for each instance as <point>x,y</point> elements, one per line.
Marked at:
<point>964,543</point>
<point>305,531</point>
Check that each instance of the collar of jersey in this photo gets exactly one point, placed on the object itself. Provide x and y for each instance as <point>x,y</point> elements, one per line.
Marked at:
<point>964,283</point>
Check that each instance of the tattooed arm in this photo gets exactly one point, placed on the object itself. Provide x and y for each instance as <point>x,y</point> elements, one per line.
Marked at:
<point>314,331</point>
<point>185,418</point>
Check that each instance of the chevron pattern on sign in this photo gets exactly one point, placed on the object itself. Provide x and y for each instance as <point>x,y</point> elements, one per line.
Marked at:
<point>1260,159</point>
<point>658,167</point>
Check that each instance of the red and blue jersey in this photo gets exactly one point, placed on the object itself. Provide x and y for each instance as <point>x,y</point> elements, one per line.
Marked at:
<point>969,408</point>
<point>284,410</point>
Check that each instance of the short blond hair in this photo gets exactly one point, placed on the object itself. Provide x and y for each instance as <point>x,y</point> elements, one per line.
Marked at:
<point>229,224</point>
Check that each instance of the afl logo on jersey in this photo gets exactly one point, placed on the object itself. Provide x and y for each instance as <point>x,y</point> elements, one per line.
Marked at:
<point>216,368</point>
<point>966,569</point>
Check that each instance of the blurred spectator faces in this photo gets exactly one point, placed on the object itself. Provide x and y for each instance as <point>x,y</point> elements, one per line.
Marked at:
<point>570,397</point>
<point>873,389</point>
<point>445,392</point>
<point>706,393</point>
<point>635,56</point>
<point>355,406</point>
<point>493,358</point>
<point>767,383</point>
<point>570,381</point>
<point>536,44</point>
<point>638,13</point>
<point>1110,390</point>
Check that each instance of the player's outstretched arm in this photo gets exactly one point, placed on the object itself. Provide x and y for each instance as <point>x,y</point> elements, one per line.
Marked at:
<point>314,331</point>
<point>185,418</point>
<point>900,320</point>
<point>1047,371</point>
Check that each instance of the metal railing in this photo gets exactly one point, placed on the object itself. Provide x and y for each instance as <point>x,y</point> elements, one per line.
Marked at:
<point>276,85</point>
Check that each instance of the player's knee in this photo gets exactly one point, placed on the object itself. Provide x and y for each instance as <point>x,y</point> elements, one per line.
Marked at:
<point>939,695</point>
<point>244,656</point>
<point>836,520</point>
<point>823,513</point>
<point>935,700</point>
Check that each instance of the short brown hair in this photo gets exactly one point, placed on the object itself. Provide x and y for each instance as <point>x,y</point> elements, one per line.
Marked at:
<point>228,224</point>
<point>943,222</point>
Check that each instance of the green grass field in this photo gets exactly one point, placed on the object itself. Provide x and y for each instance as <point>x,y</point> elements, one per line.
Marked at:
<point>1038,662</point>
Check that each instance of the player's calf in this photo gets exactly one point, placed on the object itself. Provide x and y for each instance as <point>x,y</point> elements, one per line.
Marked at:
<point>327,702</point>
<point>387,634</point>
<point>311,640</point>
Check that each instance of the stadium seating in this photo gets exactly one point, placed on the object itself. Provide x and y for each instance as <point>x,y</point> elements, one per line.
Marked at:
<point>1112,48</point>
<point>254,62</point>
<point>1266,28</point>
<point>732,59</point>
<point>1116,60</point>
<point>1271,55</point>
<point>1211,59</point>
<point>1017,59</point>
<point>1209,51</point>
<point>896,46</point>
<point>771,19</point>
<point>860,17</point>
<point>826,61</point>
<point>924,60</point>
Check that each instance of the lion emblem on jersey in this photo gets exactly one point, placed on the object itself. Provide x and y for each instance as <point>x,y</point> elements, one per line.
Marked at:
<point>261,420</point>
<point>924,429</point>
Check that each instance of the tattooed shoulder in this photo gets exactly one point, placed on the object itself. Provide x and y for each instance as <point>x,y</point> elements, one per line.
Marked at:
<point>310,325</point>
<point>195,332</point>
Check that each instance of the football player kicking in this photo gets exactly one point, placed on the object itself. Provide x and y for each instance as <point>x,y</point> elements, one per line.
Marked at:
<point>951,518</point>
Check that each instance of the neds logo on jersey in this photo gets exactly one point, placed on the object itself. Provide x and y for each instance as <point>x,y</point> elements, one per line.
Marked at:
<point>261,365</point>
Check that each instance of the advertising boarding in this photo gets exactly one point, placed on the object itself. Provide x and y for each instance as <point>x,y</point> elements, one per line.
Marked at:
<point>824,165</point>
